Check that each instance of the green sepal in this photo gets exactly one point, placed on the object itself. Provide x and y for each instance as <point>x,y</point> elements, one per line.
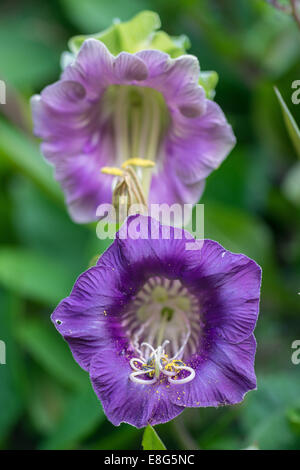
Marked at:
<point>209,80</point>
<point>134,35</point>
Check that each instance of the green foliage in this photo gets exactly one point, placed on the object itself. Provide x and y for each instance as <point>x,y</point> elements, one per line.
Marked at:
<point>24,155</point>
<point>34,276</point>
<point>151,440</point>
<point>271,410</point>
<point>290,123</point>
<point>92,15</point>
<point>40,340</point>
<point>81,417</point>
<point>34,57</point>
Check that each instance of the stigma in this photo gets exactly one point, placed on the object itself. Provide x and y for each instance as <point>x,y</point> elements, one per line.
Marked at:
<point>158,365</point>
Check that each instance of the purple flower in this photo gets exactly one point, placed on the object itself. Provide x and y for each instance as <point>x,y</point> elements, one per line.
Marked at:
<point>105,110</point>
<point>160,328</point>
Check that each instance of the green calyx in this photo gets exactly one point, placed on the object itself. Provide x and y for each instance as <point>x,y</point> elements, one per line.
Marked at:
<point>209,80</point>
<point>141,32</point>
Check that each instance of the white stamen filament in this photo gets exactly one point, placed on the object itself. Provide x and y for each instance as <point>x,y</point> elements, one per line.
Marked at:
<point>157,364</point>
<point>186,379</point>
<point>134,378</point>
<point>139,116</point>
<point>135,130</point>
<point>121,127</point>
<point>187,323</point>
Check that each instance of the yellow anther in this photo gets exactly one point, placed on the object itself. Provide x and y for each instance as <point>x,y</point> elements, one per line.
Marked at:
<point>173,365</point>
<point>138,162</point>
<point>110,170</point>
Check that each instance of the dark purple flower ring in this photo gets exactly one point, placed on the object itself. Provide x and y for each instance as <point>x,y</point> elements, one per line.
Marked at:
<point>160,327</point>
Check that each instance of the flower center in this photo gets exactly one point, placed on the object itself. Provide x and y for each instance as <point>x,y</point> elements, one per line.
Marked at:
<point>139,119</point>
<point>164,326</point>
<point>157,364</point>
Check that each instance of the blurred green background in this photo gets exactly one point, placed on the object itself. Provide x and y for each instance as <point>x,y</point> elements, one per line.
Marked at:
<point>251,206</point>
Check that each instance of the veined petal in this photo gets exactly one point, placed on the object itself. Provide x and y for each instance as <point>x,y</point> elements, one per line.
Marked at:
<point>224,375</point>
<point>157,62</point>
<point>129,67</point>
<point>229,287</point>
<point>81,317</point>
<point>204,142</point>
<point>65,96</point>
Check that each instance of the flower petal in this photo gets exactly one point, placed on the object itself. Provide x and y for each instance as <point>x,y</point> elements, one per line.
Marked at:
<point>92,67</point>
<point>81,318</point>
<point>228,288</point>
<point>182,70</point>
<point>65,96</point>
<point>202,143</point>
<point>84,185</point>
<point>149,248</point>
<point>125,401</point>
<point>223,376</point>
<point>157,62</point>
<point>129,67</point>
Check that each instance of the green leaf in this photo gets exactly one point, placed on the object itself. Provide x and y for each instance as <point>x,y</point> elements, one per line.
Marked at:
<point>125,437</point>
<point>27,58</point>
<point>46,400</point>
<point>151,440</point>
<point>293,416</point>
<point>291,184</point>
<point>290,122</point>
<point>34,217</point>
<point>265,415</point>
<point>49,350</point>
<point>175,46</point>
<point>82,415</point>
<point>33,275</point>
<point>237,231</point>
<point>24,155</point>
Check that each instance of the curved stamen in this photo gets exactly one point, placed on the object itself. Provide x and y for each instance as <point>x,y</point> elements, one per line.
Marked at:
<point>169,373</point>
<point>149,346</point>
<point>186,379</point>
<point>134,378</point>
<point>158,363</point>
